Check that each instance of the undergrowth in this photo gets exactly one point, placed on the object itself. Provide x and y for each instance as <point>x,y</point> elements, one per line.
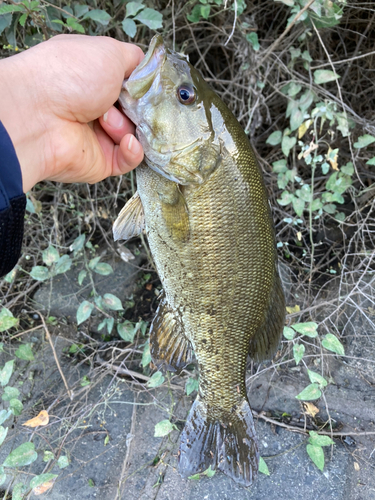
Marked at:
<point>298,75</point>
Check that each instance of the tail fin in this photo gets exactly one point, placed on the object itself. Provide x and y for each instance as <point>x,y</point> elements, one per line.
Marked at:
<point>228,444</point>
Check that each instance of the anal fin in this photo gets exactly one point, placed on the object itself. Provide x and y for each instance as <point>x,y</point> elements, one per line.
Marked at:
<point>130,221</point>
<point>169,348</point>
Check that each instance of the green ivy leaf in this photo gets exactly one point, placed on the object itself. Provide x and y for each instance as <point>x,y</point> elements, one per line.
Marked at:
<point>41,479</point>
<point>308,329</point>
<point>15,407</point>
<point>330,208</point>
<point>286,198</point>
<point>25,352</point>
<point>84,311</point>
<point>309,393</point>
<point>5,22</point>
<point>132,8</point>
<point>252,38</point>
<point>47,456</point>
<point>298,205</point>
<point>163,428</point>
<point>7,320</point>
<point>209,472</point>
<point>63,462</point>
<point>151,18</point>
<point>129,27</point>
<point>99,16</point>
<point>19,491</point>
<point>6,372</point>
<point>156,380</point>
<point>112,302</point>
<point>126,330</point>
<point>50,255</point>
<point>324,76</point>
<point>296,119</point>
<point>40,273</point>
<point>289,333</point>
<point>333,344</point>
<point>4,415</point>
<point>287,144</point>
<point>192,385</point>
<point>316,454</point>
<point>371,161</point>
<point>274,138</point>
<point>93,262</point>
<point>103,269</point>
<point>63,264</point>
<point>10,393</point>
<point>79,242</point>
<point>298,352</point>
<point>364,140</point>
<point>5,9</point>
<point>263,468</point>
<point>318,440</point>
<point>25,454</point>
<point>82,275</point>
<point>146,356</point>
<point>316,378</point>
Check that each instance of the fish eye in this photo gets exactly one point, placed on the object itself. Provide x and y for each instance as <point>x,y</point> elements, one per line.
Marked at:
<point>186,94</point>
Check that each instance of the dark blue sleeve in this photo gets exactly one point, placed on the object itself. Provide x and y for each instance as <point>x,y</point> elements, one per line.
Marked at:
<point>12,204</point>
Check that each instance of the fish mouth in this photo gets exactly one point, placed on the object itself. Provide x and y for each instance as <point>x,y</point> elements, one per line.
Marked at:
<point>140,81</point>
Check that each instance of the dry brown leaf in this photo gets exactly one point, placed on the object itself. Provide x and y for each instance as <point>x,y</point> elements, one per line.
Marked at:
<point>41,419</point>
<point>42,488</point>
<point>356,466</point>
<point>302,129</point>
<point>311,409</point>
<point>333,162</point>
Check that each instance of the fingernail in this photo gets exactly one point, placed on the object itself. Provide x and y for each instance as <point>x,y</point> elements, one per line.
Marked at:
<point>133,145</point>
<point>114,118</point>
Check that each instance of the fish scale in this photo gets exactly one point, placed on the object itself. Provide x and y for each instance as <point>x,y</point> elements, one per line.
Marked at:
<point>202,202</point>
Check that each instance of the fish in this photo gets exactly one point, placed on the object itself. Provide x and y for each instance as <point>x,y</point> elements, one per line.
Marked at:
<point>202,202</point>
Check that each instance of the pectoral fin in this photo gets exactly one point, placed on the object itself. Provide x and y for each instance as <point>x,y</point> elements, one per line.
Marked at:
<point>130,221</point>
<point>169,348</point>
<point>175,214</point>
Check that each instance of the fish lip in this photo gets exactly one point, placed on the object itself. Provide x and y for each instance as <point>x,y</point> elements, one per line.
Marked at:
<point>140,81</point>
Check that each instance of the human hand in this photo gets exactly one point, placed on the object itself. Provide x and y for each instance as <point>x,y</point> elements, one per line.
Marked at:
<point>52,101</point>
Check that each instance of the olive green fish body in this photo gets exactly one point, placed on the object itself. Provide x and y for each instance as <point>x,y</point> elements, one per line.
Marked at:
<point>208,224</point>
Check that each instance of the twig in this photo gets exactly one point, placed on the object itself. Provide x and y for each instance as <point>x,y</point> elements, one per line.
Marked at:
<point>70,394</point>
<point>234,23</point>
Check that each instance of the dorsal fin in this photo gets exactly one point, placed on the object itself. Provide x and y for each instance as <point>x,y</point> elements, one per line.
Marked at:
<point>130,221</point>
<point>169,348</point>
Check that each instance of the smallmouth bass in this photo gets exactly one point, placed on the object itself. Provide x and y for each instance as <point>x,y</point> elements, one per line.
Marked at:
<point>202,202</point>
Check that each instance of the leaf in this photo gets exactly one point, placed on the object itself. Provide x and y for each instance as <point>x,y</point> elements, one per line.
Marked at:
<point>293,309</point>
<point>209,472</point>
<point>40,273</point>
<point>333,344</point>
<point>99,16</point>
<point>132,8</point>
<point>348,169</point>
<point>324,76</point>
<point>289,333</point>
<point>298,352</point>
<point>93,262</point>
<point>85,381</point>
<point>18,491</point>
<point>263,468</point>
<point>286,198</point>
<point>50,255</point>
<point>319,440</point>
<point>24,454</point>
<point>25,352</point>
<point>47,456</point>
<point>15,406</point>
<point>10,393</point>
<point>82,275</point>
<point>311,409</point>
<point>163,428</point>
<point>308,329</point>
<point>7,320</point>
<point>296,118</point>
<point>156,380</point>
<point>63,462</point>
<point>192,385</point>
<point>287,144</point>
<point>146,356</point>
<point>252,38</point>
<point>41,419</point>
<point>371,161</point>
<point>126,331</point>
<point>129,27</point>
<point>151,18</point>
<point>302,129</point>
<point>309,393</point>
<point>4,415</point>
<point>79,242</point>
<point>316,454</point>
<point>364,140</point>
<point>63,264</point>
<point>103,269</point>
<point>40,484</point>
<point>330,208</point>
<point>112,302</point>
<point>79,11</point>
<point>3,433</point>
<point>5,22</point>
<point>6,372</point>
<point>274,138</point>
<point>84,311</point>
<point>194,477</point>
<point>315,377</point>
<point>5,9</point>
